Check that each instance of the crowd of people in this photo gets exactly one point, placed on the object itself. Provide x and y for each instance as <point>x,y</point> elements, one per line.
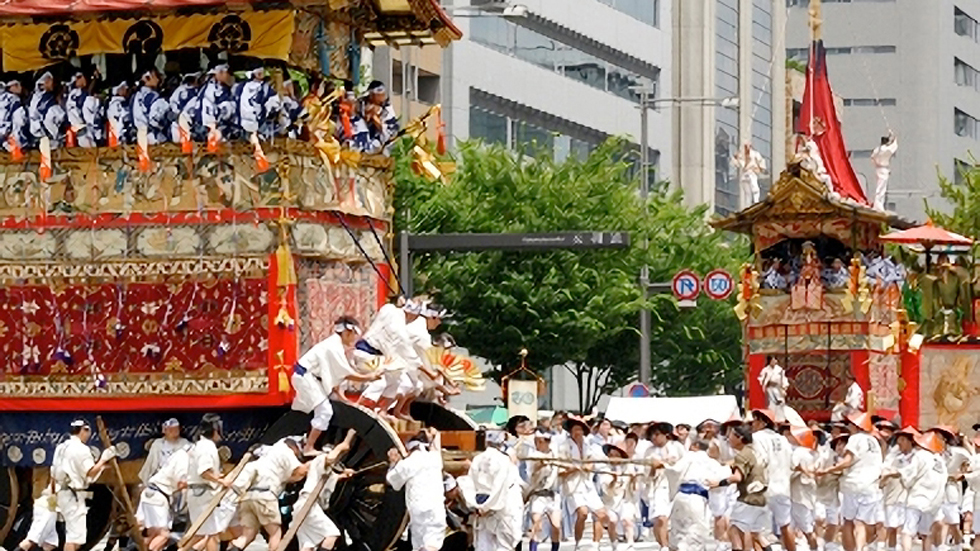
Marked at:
<point>862,484</point>
<point>192,107</point>
<point>834,271</point>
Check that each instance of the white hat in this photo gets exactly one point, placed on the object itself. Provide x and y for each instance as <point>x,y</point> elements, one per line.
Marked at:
<point>120,87</point>
<point>257,72</point>
<point>45,76</point>
<point>432,311</point>
<point>79,423</point>
<point>415,445</point>
<point>347,326</point>
<point>413,306</point>
<point>172,422</point>
<point>496,437</point>
<point>218,68</point>
<point>448,483</point>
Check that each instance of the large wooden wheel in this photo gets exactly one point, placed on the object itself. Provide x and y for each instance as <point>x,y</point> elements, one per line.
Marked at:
<point>441,418</point>
<point>9,497</point>
<point>371,515</point>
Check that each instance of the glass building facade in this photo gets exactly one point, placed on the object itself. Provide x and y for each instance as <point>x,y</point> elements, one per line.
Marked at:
<point>727,139</point>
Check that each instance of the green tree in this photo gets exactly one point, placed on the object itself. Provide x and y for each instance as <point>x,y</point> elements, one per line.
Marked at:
<point>579,309</point>
<point>963,195</point>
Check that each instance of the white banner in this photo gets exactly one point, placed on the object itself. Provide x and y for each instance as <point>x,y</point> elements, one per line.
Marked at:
<point>522,399</point>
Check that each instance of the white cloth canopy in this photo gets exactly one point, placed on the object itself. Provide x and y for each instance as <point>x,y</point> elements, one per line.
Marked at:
<point>691,410</point>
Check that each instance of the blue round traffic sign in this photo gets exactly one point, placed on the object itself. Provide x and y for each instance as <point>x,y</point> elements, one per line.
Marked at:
<point>718,284</point>
<point>686,285</point>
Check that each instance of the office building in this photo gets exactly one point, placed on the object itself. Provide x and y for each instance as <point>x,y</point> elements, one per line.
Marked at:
<point>909,66</point>
<point>725,49</point>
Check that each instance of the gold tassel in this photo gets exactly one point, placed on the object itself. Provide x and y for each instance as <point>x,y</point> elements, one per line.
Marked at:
<point>285,270</point>
<point>283,380</point>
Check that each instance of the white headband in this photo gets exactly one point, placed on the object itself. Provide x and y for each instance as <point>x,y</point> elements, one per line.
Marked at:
<point>341,327</point>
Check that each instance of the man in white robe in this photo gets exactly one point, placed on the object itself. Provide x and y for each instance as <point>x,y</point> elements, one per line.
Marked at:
<point>751,164</point>
<point>162,448</point>
<point>774,383</point>
<point>882,159</point>
<point>664,450</point>
<point>204,481</point>
<point>577,484</point>
<point>155,508</point>
<point>499,504</point>
<point>317,531</point>
<point>73,469</point>
<point>387,342</point>
<point>542,495</point>
<point>689,480</point>
<point>421,475</point>
<point>775,454</point>
<point>320,371</point>
<point>923,474</point>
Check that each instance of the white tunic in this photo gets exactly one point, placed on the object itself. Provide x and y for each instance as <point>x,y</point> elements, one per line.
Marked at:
<point>855,397</point>
<point>326,361</point>
<point>862,475</point>
<point>269,473</point>
<point>172,472</point>
<point>957,461</point>
<point>498,524</point>
<point>160,450</point>
<point>421,475</point>
<point>203,458</point>
<point>72,462</point>
<point>388,334</point>
<point>925,479</point>
<point>892,488</point>
<point>775,453</point>
<point>672,452</point>
<point>579,482</point>
<point>317,526</point>
<point>803,487</point>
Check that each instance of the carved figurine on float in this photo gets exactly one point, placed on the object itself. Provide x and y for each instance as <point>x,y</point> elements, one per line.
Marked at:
<point>945,296</point>
<point>807,291</point>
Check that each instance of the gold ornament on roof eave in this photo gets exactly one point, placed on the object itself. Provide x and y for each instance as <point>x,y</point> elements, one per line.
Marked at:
<point>458,369</point>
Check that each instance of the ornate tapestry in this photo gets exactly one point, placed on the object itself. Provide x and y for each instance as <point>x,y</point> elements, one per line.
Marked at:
<point>817,381</point>
<point>155,328</point>
<point>328,290</point>
<point>859,235</point>
<point>949,386</point>
<point>884,371</point>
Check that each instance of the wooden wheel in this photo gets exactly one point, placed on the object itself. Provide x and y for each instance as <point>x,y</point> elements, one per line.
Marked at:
<point>9,497</point>
<point>371,515</point>
<point>441,418</point>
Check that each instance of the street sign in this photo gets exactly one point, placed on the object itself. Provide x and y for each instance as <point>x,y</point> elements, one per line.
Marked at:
<point>638,390</point>
<point>718,284</point>
<point>686,285</point>
<point>519,241</point>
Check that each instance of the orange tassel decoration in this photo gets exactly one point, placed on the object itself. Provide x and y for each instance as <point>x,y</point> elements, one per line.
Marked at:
<point>16,153</point>
<point>345,119</point>
<point>186,145</point>
<point>261,162</point>
<point>440,134</point>
<point>143,150</point>
<point>113,138</point>
<point>70,137</point>
<point>44,171</point>
<point>214,140</point>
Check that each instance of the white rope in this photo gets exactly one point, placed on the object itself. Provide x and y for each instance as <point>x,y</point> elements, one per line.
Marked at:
<point>867,74</point>
<point>774,47</point>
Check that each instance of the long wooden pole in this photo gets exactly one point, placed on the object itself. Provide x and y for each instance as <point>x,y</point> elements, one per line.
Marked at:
<point>119,488</point>
<point>199,521</point>
<point>301,515</point>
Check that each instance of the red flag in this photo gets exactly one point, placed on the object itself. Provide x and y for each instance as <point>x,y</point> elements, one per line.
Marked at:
<point>818,102</point>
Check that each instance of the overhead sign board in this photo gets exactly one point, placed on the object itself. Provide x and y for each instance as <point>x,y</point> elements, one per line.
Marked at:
<point>519,241</point>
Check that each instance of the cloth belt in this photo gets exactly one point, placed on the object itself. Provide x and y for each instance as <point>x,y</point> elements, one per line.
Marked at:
<point>542,493</point>
<point>365,346</point>
<point>259,489</point>
<point>691,488</point>
<point>299,370</point>
<point>157,489</point>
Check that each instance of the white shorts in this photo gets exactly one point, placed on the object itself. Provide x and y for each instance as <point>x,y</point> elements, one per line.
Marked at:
<point>543,505</point>
<point>386,386</point>
<point>860,507</point>
<point>917,522</point>
<point>659,503</point>
<point>895,515</point>
<point>803,519</point>
<point>74,511</point>
<point>628,511</point>
<point>43,522</point>
<point>316,527</point>
<point>408,383</point>
<point>153,509</point>
<point>322,414</point>
<point>428,529</point>
<point>219,519</point>
<point>949,513</point>
<point>781,509</point>
<point>750,518</point>
<point>831,513</point>
<point>720,502</point>
<point>588,499</point>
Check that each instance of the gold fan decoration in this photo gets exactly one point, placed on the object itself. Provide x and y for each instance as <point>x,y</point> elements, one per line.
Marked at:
<point>458,369</point>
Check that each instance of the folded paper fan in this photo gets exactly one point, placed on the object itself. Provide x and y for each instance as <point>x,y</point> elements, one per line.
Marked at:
<point>461,370</point>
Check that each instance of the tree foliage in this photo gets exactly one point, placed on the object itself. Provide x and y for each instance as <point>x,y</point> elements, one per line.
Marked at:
<point>579,309</point>
<point>963,195</point>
